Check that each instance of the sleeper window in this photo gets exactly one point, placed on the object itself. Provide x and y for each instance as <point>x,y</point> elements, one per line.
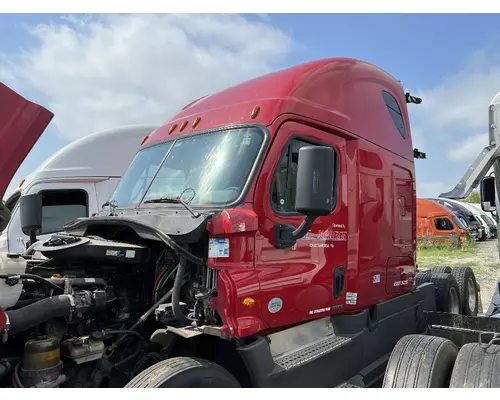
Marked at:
<point>395,112</point>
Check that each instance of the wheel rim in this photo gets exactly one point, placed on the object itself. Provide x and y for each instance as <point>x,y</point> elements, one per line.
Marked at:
<point>454,305</point>
<point>471,289</point>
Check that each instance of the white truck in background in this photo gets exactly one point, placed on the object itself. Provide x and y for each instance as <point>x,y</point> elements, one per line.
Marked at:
<point>74,182</point>
<point>487,218</point>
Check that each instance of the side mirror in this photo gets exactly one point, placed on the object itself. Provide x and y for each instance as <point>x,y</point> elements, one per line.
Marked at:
<point>314,195</point>
<point>30,209</point>
<point>488,195</point>
<point>4,216</point>
<point>315,175</point>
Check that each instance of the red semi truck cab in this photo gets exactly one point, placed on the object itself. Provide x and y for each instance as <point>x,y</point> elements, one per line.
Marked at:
<point>244,144</point>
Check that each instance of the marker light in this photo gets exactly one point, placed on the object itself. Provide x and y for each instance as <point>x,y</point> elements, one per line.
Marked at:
<point>255,111</point>
<point>248,302</point>
<point>172,128</point>
<point>196,122</point>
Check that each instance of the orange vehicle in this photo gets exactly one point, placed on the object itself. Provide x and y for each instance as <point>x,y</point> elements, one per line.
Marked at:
<point>437,224</point>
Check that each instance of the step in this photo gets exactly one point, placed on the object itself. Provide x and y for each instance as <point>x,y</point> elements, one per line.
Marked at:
<point>311,351</point>
<point>346,385</point>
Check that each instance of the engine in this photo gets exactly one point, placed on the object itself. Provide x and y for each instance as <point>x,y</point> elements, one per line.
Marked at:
<point>81,313</point>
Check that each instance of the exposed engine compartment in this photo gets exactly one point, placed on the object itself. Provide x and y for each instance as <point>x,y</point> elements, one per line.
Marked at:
<point>89,305</point>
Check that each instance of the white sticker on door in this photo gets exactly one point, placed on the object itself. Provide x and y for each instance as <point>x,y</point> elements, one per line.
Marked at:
<point>351,298</point>
<point>218,248</point>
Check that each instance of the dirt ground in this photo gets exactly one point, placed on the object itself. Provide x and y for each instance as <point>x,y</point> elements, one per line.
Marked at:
<point>484,261</point>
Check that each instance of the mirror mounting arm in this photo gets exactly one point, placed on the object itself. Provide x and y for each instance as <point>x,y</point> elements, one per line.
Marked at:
<point>304,227</point>
<point>286,236</point>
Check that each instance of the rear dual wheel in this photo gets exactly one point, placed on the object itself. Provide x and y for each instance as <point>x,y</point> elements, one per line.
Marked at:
<point>447,293</point>
<point>466,285</point>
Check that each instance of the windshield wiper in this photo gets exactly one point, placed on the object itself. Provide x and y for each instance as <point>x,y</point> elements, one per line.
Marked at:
<point>174,200</point>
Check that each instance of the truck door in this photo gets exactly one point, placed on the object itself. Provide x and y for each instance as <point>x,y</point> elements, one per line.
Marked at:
<point>62,203</point>
<point>305,281</point>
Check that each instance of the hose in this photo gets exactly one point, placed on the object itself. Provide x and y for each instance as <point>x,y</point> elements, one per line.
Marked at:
<point>81,282</point>
<point>162,281</point>
<point>127,359</point>
<point>30,250</point>
<point>176,293</point>
<point>27,317</point>
<point>16,382</point>
<point>34,278</point>
<point>164,237</point>
<point>126,332</point>
<point>142,319</point>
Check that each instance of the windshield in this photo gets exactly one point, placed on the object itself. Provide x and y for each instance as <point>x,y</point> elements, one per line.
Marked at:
<point>486,220</point>
<point>492,221</point>
<point>211,168</point>
<point>460,223</point>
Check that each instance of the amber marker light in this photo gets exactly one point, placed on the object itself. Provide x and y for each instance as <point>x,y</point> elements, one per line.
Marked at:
<point>196,122</point>
<point>255,112</point>
<point>248,302</point>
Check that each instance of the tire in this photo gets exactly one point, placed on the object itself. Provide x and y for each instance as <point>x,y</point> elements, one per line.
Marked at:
<point>184,372</point>
<point>420,361</point>
<point>467,287</point>
<point>476,368</point>
<point>441,270</point>
<point>422,277</point>
<point>447,293</point>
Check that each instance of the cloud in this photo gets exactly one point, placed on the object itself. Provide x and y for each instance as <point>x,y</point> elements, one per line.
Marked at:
<point>431,188</point>
<point>461,101</point>
<point>468,149</point>
<point>101,72</point>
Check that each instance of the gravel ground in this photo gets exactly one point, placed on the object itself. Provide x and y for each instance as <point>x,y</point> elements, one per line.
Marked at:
<point>484,261</point>
<point>487,269</point>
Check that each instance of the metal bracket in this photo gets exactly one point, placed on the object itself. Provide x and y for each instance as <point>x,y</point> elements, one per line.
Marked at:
<point>486,158</point>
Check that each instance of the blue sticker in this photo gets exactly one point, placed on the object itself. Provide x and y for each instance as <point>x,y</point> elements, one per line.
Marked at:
<point>274,305</point>
<point>218,248</point>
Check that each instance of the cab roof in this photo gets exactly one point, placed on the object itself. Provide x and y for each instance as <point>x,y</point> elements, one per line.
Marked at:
<point>101,154</point>
<point>429,209</point>
<point>342,92</point>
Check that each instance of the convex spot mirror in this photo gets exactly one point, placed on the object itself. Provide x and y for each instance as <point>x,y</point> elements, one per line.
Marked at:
<point>488,196</point>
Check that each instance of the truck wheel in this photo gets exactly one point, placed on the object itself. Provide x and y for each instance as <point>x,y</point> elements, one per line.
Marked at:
<point>447,293</point>
<point>467,288</point>
<point>420,361</point>
<point>441,270</point>
<point>184,372</point>
<point>476,367</point>
<point>422,277</point>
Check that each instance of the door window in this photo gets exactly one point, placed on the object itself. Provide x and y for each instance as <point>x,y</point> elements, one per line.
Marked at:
<point>285,178</point>
<point>443,224</point>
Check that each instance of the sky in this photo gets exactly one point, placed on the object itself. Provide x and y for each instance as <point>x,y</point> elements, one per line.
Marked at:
<point>101,71</point>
